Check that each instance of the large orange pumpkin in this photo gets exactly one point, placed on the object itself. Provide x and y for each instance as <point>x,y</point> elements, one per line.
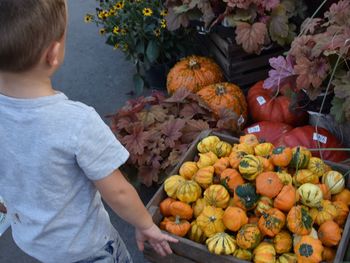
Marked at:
<point>193,73</point>
<point>224,96</point>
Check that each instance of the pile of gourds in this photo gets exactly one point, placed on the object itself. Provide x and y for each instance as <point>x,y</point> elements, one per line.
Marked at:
<point>257,202</point>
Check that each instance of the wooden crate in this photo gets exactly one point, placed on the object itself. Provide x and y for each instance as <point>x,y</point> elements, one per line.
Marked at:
<point>187,251</point>
<point>239,67</point>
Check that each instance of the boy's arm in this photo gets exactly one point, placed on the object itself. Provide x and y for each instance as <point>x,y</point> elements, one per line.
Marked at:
<point>122,197</point>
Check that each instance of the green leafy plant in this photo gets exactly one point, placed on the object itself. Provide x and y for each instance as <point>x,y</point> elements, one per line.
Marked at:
<point>318,61</point>
<point>157,130</point>
<point>256,23</point>
<point>139,29</point>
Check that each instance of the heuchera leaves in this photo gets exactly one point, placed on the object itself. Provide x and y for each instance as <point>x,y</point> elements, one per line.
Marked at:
<point>136,140</point>
<point>192,129</point>
<point>251,37</point>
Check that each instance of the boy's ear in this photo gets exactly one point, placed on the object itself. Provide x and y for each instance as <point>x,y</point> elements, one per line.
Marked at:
<point>53,54</point>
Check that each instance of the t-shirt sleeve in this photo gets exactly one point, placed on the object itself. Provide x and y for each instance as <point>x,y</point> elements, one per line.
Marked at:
<point>98,151</point>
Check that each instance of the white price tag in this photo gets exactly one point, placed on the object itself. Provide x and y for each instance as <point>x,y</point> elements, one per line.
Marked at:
<point>320,138</point>
<point>254,129</point>
<point>261,100</point>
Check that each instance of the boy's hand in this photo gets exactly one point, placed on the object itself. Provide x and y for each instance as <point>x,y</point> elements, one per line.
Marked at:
<point>156,238</point>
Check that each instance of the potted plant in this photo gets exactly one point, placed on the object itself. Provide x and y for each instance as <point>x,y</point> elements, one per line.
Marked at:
<point>255,24</point>
<point>317,64</point>
<point>139,29</point>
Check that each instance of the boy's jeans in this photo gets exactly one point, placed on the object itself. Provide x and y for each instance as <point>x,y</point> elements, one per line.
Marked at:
<point>114,251</point>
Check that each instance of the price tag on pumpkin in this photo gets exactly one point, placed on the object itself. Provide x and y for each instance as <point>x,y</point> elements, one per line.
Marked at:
<point>253,129</point>
<point>319,137</point>
<point>261,100</point>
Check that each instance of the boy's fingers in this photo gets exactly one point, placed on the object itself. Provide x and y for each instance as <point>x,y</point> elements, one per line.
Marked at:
<point>170,239</point>
<point>167,247</point>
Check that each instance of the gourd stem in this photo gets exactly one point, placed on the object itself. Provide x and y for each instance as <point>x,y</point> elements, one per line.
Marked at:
<point>193,64</point>
<point>220,90</point>
<point>177,220</point>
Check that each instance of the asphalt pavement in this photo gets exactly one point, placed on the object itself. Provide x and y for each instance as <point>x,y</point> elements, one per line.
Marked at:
<point>96,75</point>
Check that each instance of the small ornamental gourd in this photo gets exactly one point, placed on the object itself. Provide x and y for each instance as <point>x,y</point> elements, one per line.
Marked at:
<point>283,242</point>
<point>221,164</point>
<point>249,139</point>
<point>335,181</point>
<point>287,258</point>
<point>285,177</point>
<point>198,206</point>
<point>249,236</point>
<point>243,147</point>
<point>343,196</point>
<point>223,149</point>
<point>281,156</point>
<point>329,233</point>
<point>243,254</point>
<point>177,226</point>
<point>297,238</point>
<point>235,158</point>
<point>325,191</point>
<point>234,218</point>
<point>342,212</point>
<point>267,164</point>
<point>188,169</point>
<point>196,234</point>
<point>180,209</point>
<point>250,167</point>
<point>268,184</point>
<point>264,253</point>
<point>300,157</point>
<point>230,178</point>
<point>217,195</point>
<point>204,176</point>
<point>164,206</point>
<point>206,159</point>
<point>299,221</point>
<point>310,194</point>
<point>328,254</point>
<point>210,221</point>
<point>208,144</point>
<point>317,166</point>
<point>309,250</point>
<point>286,199</point>
<point>189,191</point>
<point>271,222</point>
<point>221,244</point>
<point>172,183</point>
<point>263,149</point>
<point>245,196</point>
<point>304,176</point>
<point>324,212</point>
<point>264,204</point>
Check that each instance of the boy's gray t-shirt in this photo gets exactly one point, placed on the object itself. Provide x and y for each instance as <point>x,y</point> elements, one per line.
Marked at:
<point>52,149</point>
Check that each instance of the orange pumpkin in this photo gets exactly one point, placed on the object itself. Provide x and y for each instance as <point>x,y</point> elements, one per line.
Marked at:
<point>177,226</point>
<point>286,199</point>
<point>230,178</point>
<point>267,164</point>
<point>165,220</point>
<point>235,158</point>
<point>283,242</point>
<point>329,233</point>
<point>193,73</point>
<point>234,218</point>
<point>268,184</point>
<point>222,96</point>
<point>221,164</point>
<point>281,156</point>
<point>164,206</point>
<point>180,209</point>
<point>249,236</point>
<point>325,191</point>
<point>309,250</point>
<point>328,254</point>
<point>272,222</point>
<point>253,220</point>
<point>324,212</point>
<point>249,139</point>
<point>343,196</point>
<point>299,221</point>
<point>342,212</point>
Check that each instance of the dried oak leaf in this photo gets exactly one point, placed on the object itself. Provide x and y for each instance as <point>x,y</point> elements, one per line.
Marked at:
<point>150,114</point>
<point>192,128</point>
<point>171,130</point>
<point>251,37</point>
<point>137,140</point>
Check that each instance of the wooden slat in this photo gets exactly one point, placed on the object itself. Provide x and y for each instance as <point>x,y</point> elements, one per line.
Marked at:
<point>152,256</point>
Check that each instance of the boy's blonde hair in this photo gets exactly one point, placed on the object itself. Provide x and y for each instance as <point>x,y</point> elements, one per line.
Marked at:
<point>27,28</point>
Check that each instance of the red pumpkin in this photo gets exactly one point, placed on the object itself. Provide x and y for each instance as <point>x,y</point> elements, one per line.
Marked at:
<point>264,105</point>
<point>308,137</point>
<point>268,131</point>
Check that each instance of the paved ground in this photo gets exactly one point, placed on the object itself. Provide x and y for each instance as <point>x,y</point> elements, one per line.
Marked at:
<point>98,76</point>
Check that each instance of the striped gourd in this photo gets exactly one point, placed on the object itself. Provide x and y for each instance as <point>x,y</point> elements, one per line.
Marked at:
<point>334,180</point>
<point>310,194</point>
<point>250,167</point>
<point>196,234</point>
<point>189,191</point>
<point>221,244</point>
<point>217,195</point>
<point>301,157</point>
<point>317,166</point>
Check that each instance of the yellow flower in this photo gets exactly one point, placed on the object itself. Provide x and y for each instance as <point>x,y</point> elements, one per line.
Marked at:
<point>112,12</point>
<point>103,14</point>
<point>163,23</point>
<point>116,46</point>
<point>102,31</point>
<point>119,5</point>
<point>88,18</point>
<point>157,32</point>
<point>123,31</point>
<point>116,30</point>
<point>164,12</point>
<point>147,11</point>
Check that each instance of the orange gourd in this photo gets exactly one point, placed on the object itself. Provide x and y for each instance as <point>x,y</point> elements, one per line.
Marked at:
<point>235,158</point>
<point>249,139</point>
<point>180,209</point>
<point>234,218</point>
<point>283,242</point>
<point>272,222</point>
<point>268,184</point>
<point>230,178</point>
<point>193,73</point>
<point>286,199</point>
<point>299,221</point>
<point>329,233</point>
<point>343,196</point>
<point>342,212</point>
<point>264,204</point>
<point>198,206</point>
<point>267,164</point>
<point>309,250</point>
<point>164,206</point>
<point>204,176</point>
<point>281,156</point>
<point>324,212</point>
<point>177,226</point>
<point>249,236</point>
<point>221,164</point>
<point>325,191</point>
<point>328,254</point>
<point>188,169</point>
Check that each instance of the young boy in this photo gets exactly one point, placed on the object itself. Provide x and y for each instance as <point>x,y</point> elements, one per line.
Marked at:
<point>57,156</point>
